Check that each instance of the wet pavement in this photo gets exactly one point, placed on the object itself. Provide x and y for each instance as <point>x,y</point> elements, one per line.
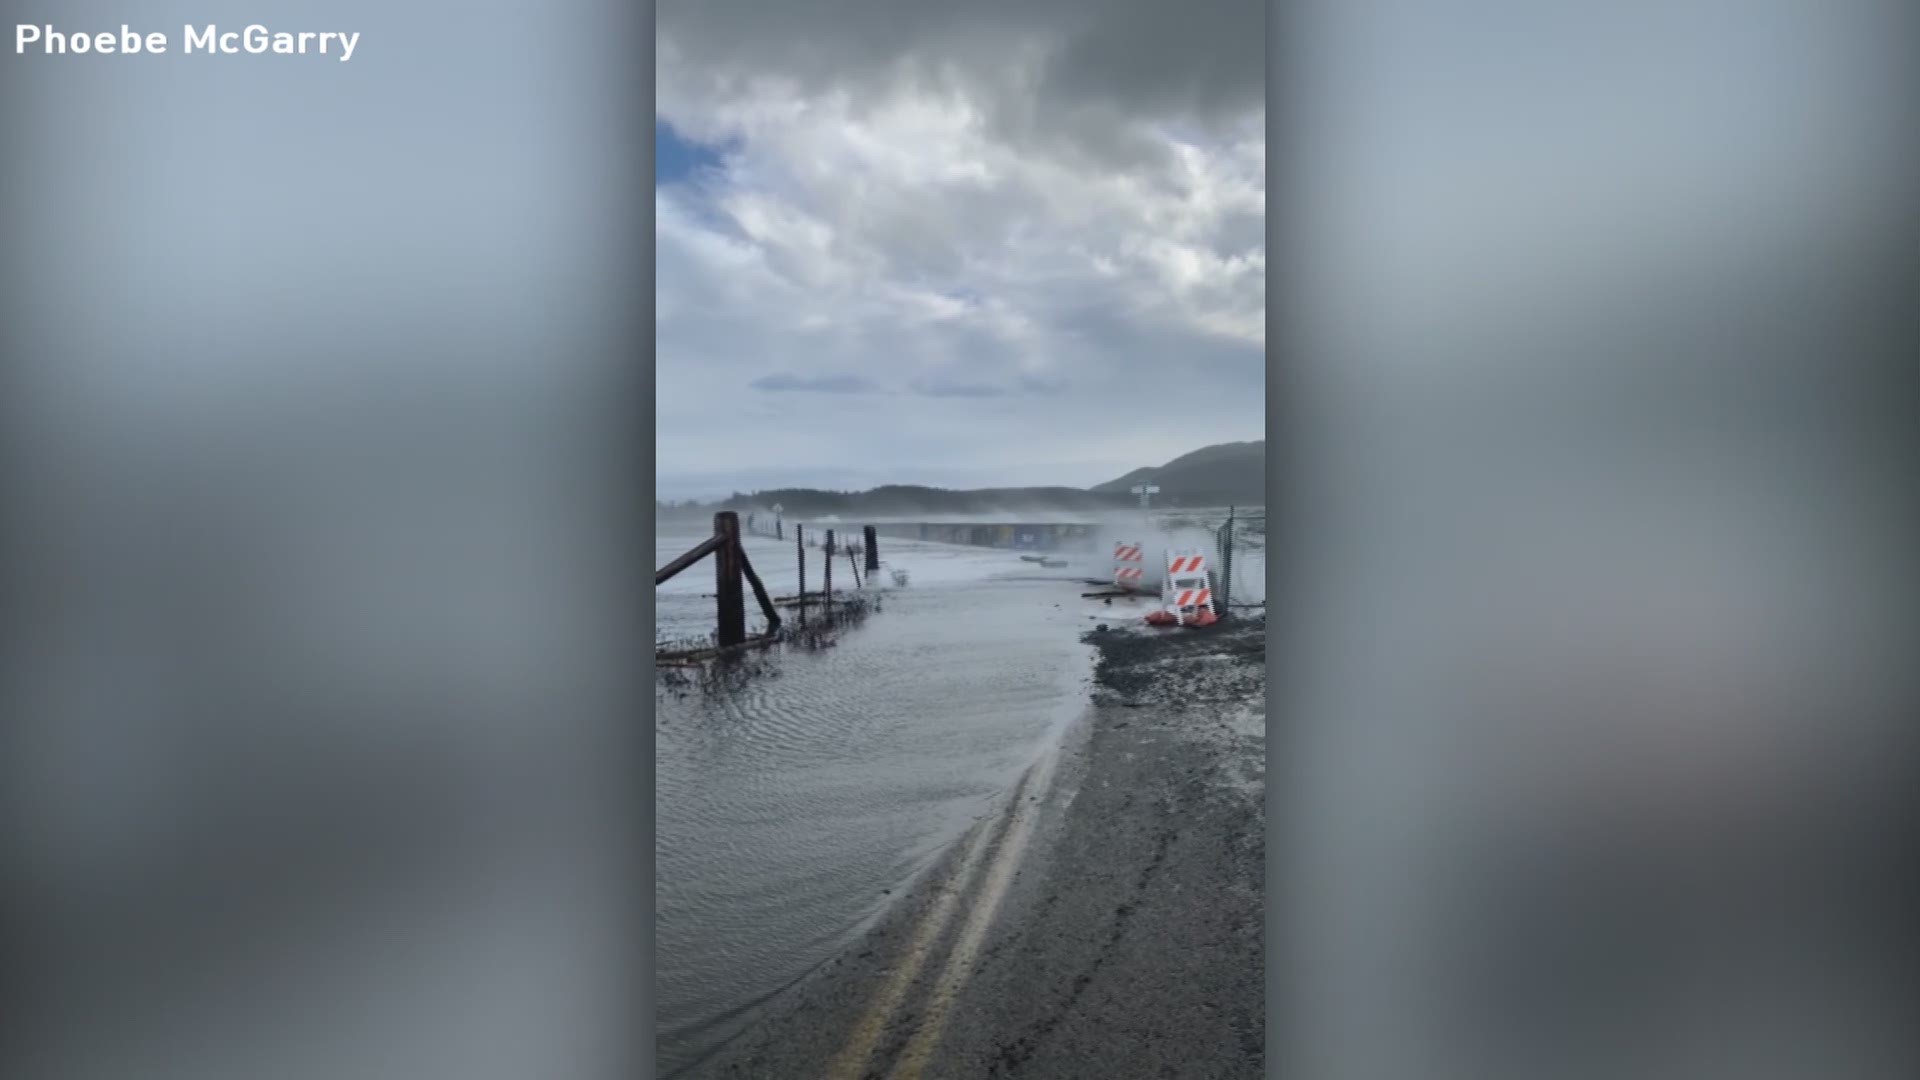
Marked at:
<point>1104,917</point>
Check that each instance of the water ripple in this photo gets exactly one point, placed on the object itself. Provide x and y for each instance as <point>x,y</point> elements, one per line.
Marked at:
<point>787,807</point>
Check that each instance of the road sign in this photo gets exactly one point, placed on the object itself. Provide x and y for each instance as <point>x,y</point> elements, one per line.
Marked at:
<point>1145,491</point>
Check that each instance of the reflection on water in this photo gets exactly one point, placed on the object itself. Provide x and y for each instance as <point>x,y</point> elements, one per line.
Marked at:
<point>790,804</point>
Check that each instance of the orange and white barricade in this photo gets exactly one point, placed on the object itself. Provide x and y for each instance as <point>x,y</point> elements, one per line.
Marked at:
<point>1188,592</point>
<point>1129,565</point>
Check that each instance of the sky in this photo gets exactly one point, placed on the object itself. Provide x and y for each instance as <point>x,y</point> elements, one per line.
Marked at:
<point>970,245</point>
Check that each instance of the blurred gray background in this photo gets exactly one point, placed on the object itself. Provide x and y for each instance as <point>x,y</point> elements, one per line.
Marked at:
<point>320,391</point>
<point>1599,619</point>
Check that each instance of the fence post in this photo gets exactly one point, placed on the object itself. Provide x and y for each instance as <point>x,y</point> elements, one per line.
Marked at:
<point>1226,565</point>
<point>760,593</point>
<point>873,551</point>
<point>726,570</point>
<point>826,560</point>
<point>800,554</point>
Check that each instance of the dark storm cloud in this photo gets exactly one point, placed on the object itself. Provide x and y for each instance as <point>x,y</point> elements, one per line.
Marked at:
<point>1205,58</point>
<point>815,384</point>
<point>941,388</point>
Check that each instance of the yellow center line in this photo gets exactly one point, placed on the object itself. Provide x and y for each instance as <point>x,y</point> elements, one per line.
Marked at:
<point>973,934</point>
<point>851,1062</point>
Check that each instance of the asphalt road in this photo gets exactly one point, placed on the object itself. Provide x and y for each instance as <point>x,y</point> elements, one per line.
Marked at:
<point>1104,921</point>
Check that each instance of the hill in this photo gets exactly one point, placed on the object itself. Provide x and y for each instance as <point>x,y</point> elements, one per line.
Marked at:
<point>1217,475</point>
<point>903,500</point>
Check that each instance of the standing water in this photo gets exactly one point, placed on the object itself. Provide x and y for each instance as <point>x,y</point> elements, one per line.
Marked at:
<point>792,806</point>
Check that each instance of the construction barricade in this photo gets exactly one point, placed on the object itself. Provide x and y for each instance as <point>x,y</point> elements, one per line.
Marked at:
<point>1187,595</point>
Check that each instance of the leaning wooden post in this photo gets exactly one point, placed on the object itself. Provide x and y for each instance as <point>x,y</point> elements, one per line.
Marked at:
<point>760,593</point>
<point>873,551</point>
<point>726,573</point>
<point>854,566</point>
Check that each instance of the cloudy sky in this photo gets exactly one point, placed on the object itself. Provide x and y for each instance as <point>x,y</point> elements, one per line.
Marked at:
<point>964,245</point>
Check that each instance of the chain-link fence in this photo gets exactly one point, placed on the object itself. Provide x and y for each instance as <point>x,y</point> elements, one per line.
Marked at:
<point>1240,558</point>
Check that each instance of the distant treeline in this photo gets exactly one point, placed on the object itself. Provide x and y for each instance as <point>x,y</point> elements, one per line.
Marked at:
<point>902,500</point>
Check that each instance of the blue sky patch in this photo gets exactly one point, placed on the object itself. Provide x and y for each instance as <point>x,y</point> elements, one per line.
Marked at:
<point>677,158</point>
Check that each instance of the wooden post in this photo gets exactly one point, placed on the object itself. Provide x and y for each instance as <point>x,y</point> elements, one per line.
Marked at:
<point>726,574</point>
<point>760,593</point>
<point>873,551</point>
<point>1226,566</point>
<point>800,554</point>
<point>826,560</point>
<point>853,565</point>
<point>705,548</point>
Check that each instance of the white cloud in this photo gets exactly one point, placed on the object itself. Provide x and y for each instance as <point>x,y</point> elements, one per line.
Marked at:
<point>966,219</point>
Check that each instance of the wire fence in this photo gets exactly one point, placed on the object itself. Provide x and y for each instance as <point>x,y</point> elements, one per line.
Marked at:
<point>1239,545</point>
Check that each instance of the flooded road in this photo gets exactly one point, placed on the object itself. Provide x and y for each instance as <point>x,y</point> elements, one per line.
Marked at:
<point>1106,919</point>
<point>791,809</point>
